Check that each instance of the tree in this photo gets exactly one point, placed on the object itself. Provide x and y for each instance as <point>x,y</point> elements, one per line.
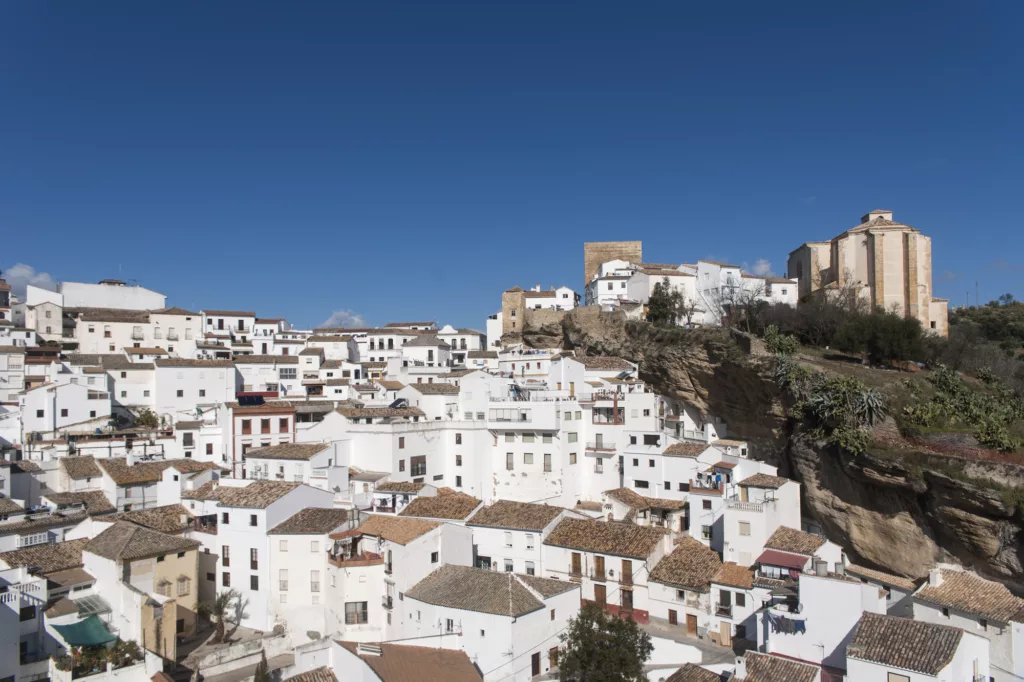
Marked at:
<point>146,417</point>
<point>262,673</point>
<point>598,647</point>
<point>884,337</point>
<point>665,304</point>
<point>217,611</point>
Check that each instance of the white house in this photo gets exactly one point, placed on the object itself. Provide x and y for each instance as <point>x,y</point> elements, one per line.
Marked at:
<point>330,660</point>
<point>892,649</point>
<point>184,384</point>
<point>609,286</point>
<point>318,464</point>
<point>562,298</point>
<point>507,535</point>
<point>764,504</point>
<point>110,293</point>
<point>12,373</point>
<point>51,407</point>
<point>952,596</point>
<point>508,623</point>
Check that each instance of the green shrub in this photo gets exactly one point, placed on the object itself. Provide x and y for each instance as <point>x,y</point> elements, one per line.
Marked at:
<point>779,344</point>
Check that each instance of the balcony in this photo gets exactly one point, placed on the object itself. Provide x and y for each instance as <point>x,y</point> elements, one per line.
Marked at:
<point>575,574</point>
<point>138,335</point>
<point>600,576</point>
<point>172,336</point>
<point>386,602</point>
<point>626,579</point>
<point>203,526</point>
<point>601,447</point>
<point>723,610</point>
<point>364,559</point>
<point>740,505</point>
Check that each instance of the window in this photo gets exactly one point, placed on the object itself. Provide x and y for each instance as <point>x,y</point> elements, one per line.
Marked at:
<point>264,426</point>
<point>458,460</point>
<point>529,541</point>
<point>39,414</point>
<point>355,613</point>
<point>568,415</point>
<point>641,484</point>
<point>282,579</point>
<point>180,393</point>
<point>246,426</point>
<point>552,614</point>
<point>530,569</point>
<point>282,425</point>
<point>401,465</point>
<point>896,677</point>
<point>209,448</point>
<point>636,462</point>
<point>433,557</point>
<point>314,546</point>
<point>288,372</point>
<point>650,463</point>
<point>652,439</point>
<point>527,437</point>
<point>527,458</point>
<point>547,463</point>
<point>401,442</point>
<point>124,375</point>
<point>283,545</point>
<point>571,436</point>
<point>92,413</point>
<point>254,559</point>
<point>418,466</point>
<point>546,438</point>
<point>508,539</point>
<point>668,485</point>
<point>202,393</point>
<point>458,439</point>
<point>187,439</point>
<point>184,586</point>
<point>510,437</point>
<point>508,461</point>
<point>225,555</point>
<point>225,518</point>
<point>741,599</point>
<point>64,411</point>
<point>705,532</point>
<point>27,613</point>
<point>145,394</point>
<point>211,577</point>
<point>508,566</point>
<point>254,583</point>
<point>579,415</point>
<point>225,579</point>
<point>314,581</point>
<point>745,528</point>
<point>458,481</point>
<point>632,440</point>
<point>647,413</point>
<point>572,458</point>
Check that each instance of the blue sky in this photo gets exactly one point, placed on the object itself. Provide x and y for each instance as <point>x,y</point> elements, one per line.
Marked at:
<point>412,160</point>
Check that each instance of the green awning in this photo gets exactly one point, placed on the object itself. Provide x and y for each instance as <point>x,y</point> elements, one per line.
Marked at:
<point>88,632</point>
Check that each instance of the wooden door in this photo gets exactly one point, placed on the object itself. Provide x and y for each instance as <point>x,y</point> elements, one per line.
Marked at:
<point>553,657</point>
<point>627,572</point>
<point>535,664</point>
<point>673,617</point>
<point>599,567</point>
<point>576,564</point>
<point>725,634</point>
<point>691,625</point>
<point>627,600</point>
<point>600,594</point>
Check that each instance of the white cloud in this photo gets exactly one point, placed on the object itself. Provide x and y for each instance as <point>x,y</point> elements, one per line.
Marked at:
<point>344,318</point>
<point>762,268</point>
<point>20,276</point>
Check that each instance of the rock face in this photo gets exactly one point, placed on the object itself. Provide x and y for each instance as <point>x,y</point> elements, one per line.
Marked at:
<point>901,514</point>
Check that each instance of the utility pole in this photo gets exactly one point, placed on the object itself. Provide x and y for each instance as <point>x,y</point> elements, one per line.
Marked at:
<point>976,302</point>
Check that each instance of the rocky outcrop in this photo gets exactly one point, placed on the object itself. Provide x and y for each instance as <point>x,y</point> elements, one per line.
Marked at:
<point>901,512</point>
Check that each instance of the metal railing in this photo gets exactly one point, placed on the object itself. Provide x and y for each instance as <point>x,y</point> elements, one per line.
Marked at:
<point>740,505</point>
<point>602,446</point>
<point>600,575</point>
<point>723,610</point>
<point>387,602</point>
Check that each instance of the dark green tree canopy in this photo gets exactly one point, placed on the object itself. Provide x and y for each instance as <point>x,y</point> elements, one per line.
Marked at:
<point>598,647</point>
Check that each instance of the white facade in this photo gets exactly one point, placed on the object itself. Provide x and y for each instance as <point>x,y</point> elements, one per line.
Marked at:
<point>110,294</point>
<point>184,386</point>
<point>50,407</point>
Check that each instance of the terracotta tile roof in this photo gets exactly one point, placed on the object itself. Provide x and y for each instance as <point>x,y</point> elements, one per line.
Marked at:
<point>256,495</point>
<point>390,325</point>
<point>396,529</point>
<point>322,338</point>
<point>374,365</point>
<point>174,310</point>
<point>401,663</point>
<point>149,472</point>
<point>207,491</point>
<point>690,566</point>
<point>16,350</point>
<point>718,263</point>
<point>451,505</point>
<point>391,385</point>
<point>323,674</point>
<point>764,481</point>
<point>693,673</point>
<point>904,643</point>
<point>267,359</point>
<point>95,501</point>
<point>638,502</point>
<point>54,520</point>
<point>546,587</point>
<point>881,577</point>
<point>295,451</point>
<point>337,382</point>
<point>268,406</point>
<point>587,505</point>
<point>126,542</point>
<point>436,389</point>
<point>170,518</point>
<point>9,506</point>
<point>603,362</point>
<point>516,515</point>
<point>328,364</point>
<point>407,487</point>
<point>144,351</point>
<point>60,556</point>
<point>311,351</point>
<point>734,576</point>
<point>80,467</point>
<point>796,541</point>
<point>476,589</point>
<point>229,313</point>
<point>685,449</point>
<point>617,539</point>
<point>482,354</point>
<point>186,362</point>
<point>428,341</point>
<point>768,668</point>
<point>968,593</point>
<point>457,373</point>
<point>70,577</point>
<point>539,294</point>
<point>109,314</point>
<point>376,412</point>
<point>312,521</point>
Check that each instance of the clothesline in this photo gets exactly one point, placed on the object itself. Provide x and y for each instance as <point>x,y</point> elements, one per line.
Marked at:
<point>787,625</point>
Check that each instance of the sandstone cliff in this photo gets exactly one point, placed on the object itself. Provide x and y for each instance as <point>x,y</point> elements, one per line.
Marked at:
<point>900,512</point>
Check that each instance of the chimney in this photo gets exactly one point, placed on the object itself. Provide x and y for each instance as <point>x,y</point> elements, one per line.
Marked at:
<point>741,668</point>
<point>129,459</point>
<point>844,562</point>
<point>934,577</point>
<point>821,568</point>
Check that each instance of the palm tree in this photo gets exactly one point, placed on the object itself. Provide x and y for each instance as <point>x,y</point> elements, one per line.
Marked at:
<point>217,610</point>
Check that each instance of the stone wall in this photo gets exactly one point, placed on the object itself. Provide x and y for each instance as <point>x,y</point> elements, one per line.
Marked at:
<point>596,253</point>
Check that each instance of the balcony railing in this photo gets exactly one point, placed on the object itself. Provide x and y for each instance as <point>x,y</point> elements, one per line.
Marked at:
<point>575,574</point>
<point>172,336</point>
<point>601,447</point>
<point>364,559</point>
<point>601,576</point>
<point>723,610</point>
<point>386,602</point>
<point>740,505</point>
